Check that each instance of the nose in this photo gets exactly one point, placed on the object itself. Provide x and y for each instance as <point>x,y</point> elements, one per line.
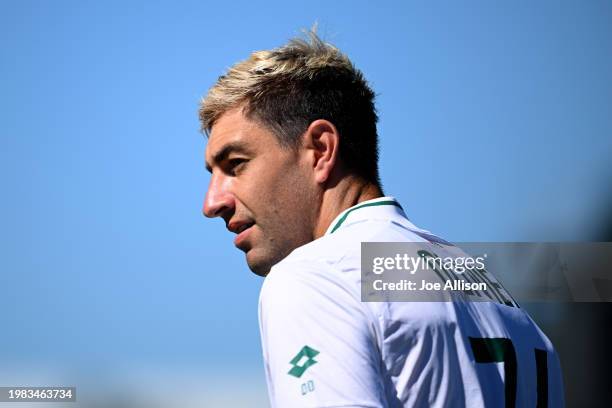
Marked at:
<point>219,200</point>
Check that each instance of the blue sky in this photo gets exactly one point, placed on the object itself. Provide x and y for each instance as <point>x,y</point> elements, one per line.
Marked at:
<point>495,125</point>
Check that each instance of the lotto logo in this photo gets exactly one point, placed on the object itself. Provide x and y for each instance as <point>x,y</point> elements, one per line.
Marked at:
<point>303,359</point>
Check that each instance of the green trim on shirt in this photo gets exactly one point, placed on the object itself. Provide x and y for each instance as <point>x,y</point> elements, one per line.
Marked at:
<point>343,218</point>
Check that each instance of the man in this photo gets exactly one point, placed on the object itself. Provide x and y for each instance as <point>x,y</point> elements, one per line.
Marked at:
<point>292,152</point>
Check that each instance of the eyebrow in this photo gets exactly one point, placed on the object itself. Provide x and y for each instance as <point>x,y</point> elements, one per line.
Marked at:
<point>235,147</point>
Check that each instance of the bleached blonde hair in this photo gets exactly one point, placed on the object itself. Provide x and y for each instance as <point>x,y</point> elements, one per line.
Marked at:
<point>289,87</point>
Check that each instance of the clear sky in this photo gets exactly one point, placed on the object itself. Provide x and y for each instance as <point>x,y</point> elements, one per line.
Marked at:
<point>495,124</point>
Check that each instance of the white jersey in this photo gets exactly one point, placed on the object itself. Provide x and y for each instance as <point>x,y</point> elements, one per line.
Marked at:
<point>324,347</point>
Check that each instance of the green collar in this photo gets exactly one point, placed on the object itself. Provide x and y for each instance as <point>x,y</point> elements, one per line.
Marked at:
<point>346,213</point>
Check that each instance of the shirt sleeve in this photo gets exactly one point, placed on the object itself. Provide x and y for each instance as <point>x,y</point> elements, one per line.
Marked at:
<point>318,343</point>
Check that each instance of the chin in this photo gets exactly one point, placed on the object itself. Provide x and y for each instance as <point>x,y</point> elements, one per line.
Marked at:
<point>261,259</point>
<point>258,264</point>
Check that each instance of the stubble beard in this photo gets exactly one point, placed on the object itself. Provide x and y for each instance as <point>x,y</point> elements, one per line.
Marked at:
<point>289,233</point>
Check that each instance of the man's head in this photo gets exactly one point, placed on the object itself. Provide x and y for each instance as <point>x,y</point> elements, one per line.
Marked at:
<point>284,127</point>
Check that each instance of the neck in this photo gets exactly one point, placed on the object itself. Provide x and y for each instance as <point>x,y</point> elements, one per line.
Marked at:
<point>345,194</point>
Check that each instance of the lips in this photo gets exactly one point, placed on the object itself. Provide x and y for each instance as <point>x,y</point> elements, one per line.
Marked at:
<point>239,226</point>
<point>242,229</point>
<point>243,233</point>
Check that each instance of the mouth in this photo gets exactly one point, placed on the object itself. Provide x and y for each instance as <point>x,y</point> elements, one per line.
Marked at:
<point>242,232</point>
<point>244,227</point>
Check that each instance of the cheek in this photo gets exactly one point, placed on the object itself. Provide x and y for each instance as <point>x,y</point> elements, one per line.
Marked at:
<point>279,192</point>
<point>291,182</point>
<point>295,195</point>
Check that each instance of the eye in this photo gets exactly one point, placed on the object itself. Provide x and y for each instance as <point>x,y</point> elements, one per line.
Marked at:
<point>236,165</point>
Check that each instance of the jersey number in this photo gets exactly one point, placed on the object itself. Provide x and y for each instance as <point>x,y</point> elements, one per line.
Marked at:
<point>501,350</point>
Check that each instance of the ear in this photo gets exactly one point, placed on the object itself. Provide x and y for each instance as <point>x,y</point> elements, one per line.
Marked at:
<point>322,140</point>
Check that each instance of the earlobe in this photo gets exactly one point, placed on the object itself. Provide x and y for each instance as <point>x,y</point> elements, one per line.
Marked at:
<point>323,139</point>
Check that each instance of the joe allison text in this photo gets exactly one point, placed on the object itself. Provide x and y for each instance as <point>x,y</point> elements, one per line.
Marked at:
<point>404,284</point>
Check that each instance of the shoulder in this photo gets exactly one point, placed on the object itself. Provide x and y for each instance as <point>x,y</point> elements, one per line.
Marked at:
<point>314,330</point>
<point>313,296</point>
<point>295,283</point>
